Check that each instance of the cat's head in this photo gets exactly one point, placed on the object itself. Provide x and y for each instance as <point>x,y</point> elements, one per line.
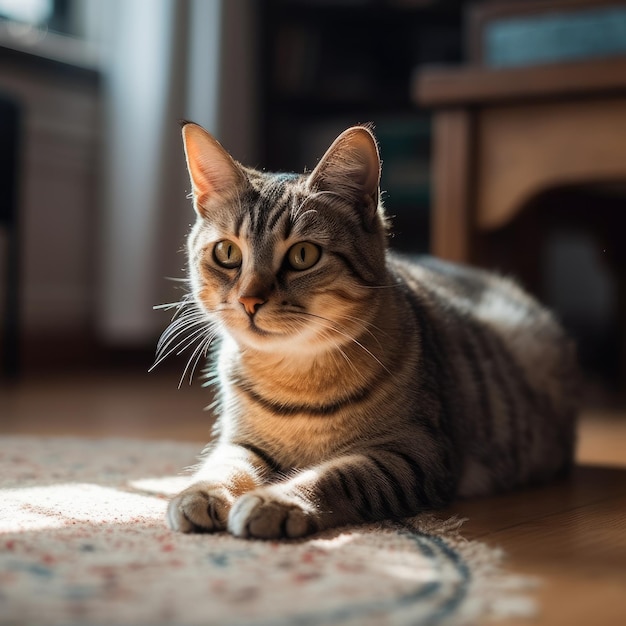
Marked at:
<point>286,262</point>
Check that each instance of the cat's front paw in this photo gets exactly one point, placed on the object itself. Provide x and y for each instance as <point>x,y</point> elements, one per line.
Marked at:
<point>268,514</point>
<point>203,507</point>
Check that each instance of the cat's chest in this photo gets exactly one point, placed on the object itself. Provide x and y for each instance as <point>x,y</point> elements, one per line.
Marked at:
<point>297,441</point>
<point>300,419</point>
<point>291,434</point>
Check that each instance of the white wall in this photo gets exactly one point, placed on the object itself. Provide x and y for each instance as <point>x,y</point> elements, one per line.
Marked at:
<point>190,59</point>
<point>103,202</point>
<point>58,200</point>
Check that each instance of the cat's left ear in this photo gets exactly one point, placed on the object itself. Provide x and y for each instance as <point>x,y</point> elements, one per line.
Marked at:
<point>213,172</point>
<point>351,169</point>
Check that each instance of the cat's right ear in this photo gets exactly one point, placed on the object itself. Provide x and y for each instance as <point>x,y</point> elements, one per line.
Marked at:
<point>351,170</point>
<point>213,172</point>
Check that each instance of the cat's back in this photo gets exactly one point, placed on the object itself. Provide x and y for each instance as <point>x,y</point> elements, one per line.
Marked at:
<point>461,293</point>
<point>466,300</point>
<point>469,290</point>
<point>507,362</point>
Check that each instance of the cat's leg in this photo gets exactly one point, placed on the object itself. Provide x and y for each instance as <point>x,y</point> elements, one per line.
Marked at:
<point>226,473</point>
<point>352,489</point>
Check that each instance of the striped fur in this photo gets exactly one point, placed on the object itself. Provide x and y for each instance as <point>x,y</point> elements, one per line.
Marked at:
<point>366,386</point>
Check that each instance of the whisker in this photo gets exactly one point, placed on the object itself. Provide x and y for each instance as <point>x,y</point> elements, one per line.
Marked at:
<point>187,315</point>
<point>347,359</point>
<point>167,306</point>
<point>186,299</point>
<point>177,280</point>
<point>187,340</point>
<point>365,327</point>
<point>332,326</point>
<point>189,325</point>
<point>176,328</point>
<point>199,350</point>
<point>179,317</point>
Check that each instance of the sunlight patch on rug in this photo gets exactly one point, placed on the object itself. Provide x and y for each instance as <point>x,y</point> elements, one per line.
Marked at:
<point>83,541</point>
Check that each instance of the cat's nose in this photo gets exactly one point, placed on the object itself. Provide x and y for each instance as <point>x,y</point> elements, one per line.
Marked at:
<point>251,303</point>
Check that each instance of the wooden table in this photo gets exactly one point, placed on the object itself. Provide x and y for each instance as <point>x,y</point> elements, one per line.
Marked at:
<point>502,137</point>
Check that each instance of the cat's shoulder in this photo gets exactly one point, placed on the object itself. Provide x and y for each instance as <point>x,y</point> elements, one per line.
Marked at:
<point>433,272</point>
<point>467,288</point>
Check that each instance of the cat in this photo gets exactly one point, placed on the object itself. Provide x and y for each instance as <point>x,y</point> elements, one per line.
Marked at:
<point>353,385</point>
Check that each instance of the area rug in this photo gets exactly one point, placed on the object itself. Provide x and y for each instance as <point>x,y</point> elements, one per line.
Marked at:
<point>83,542</point>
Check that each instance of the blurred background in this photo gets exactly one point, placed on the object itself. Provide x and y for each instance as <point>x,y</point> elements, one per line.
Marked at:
<point>463,95</point>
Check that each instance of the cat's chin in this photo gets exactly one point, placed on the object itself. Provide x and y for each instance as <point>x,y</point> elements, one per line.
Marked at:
<point>286,335</point>
<point>262,341</point>
<point>303,342</point>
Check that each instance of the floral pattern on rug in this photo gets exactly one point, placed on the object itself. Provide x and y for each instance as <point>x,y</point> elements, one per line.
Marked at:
<point>83,542</point>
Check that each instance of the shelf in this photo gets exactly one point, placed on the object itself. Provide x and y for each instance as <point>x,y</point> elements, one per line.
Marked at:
<point>329,65</point>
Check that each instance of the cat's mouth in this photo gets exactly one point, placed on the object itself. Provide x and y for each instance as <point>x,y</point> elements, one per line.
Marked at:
<point>265,328</point>
<point>257,330</point>
<point>274,323</point>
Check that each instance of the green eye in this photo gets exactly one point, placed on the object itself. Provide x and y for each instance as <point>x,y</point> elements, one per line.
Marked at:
<point>303,255</point>
<point>227,254</point>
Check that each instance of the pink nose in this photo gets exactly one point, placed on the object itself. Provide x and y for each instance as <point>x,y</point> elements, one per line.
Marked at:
<point>251,303</point>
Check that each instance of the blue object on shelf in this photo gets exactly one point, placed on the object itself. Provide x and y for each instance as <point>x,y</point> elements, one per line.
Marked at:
<point>555,37</point>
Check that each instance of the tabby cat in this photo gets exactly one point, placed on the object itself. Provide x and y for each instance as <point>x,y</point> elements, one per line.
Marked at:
<point>353,385</point>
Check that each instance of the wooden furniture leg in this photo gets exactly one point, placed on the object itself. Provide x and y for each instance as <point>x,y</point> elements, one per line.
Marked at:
<point>451,213</point>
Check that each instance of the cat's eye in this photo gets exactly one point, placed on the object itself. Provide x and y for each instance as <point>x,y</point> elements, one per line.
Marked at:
<point>227,254</point>
<point>303,255</point>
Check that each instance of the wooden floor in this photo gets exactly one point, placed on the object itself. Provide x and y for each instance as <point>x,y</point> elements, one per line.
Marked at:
<point>571,535</point>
